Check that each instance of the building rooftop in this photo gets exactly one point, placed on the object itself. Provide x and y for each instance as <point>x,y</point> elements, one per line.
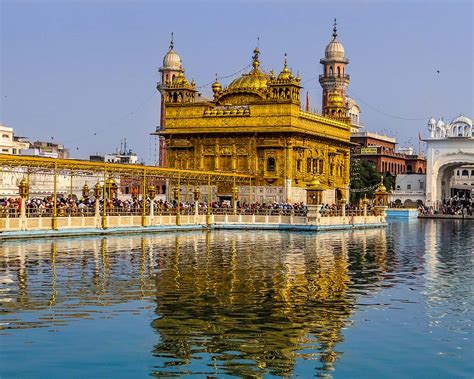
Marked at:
<point>374,136</point>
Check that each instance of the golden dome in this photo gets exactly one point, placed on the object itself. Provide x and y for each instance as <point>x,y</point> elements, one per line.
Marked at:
<point>250,81</point>
<point>285,74</point>
<point>335,100</point>
<point>255,80</point>
<point>381,188</point>
<point>180,80</point>
<point>216,86</point>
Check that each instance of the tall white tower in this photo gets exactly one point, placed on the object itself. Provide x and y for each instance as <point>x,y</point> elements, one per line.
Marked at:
<point>334,77</point>
<point>171,68</point>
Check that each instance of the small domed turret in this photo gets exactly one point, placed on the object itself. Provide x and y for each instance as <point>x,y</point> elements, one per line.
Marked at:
<point>285,74</point>
<point>334,50</point>
<point>216,87</point>
<point>171,60</point>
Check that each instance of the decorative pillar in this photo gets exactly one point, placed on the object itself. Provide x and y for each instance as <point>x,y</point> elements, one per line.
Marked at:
<point>365,201</point>
<point>104,196</point>
<point>144,198</point>
<point>381,199</point>
<point>55,195</point>
<point>178,199</point>
<point>152,194</point>
<point>208,199</point>
<point>23,190</point>
<point>196,196</point>
<point>235,194</point>
<point>289,170</point>
<point>216,162</point>
<point>313,200</point>
<point>97,195</point>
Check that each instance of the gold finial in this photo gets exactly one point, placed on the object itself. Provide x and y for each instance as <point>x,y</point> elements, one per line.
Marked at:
<point>256,62</point>
<point>334,30</point>
<point>216,86</point>
<point>286,61</point>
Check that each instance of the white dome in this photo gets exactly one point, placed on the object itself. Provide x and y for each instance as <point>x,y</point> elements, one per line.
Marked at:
<point>461,119</point>
<point>172,60</point>
<point>334,50</point>
<point>350,102</point>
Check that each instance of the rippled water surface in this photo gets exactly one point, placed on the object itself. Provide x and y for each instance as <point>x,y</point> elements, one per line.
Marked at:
<point>381,303</point>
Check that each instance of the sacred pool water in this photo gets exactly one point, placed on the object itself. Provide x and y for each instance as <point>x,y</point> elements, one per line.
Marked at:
<point>380,303</point>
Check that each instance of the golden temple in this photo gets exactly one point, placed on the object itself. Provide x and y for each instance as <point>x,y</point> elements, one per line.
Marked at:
<point>256,125</point>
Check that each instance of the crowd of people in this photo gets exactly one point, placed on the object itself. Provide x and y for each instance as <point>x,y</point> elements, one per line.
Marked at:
<point>451,206</point>
<point>72,206</point>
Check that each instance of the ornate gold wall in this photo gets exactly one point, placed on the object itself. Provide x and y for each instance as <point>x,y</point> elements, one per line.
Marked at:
<point>256,126</point>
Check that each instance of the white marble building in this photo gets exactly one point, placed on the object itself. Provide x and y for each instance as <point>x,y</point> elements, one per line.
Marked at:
<point>409,189</point>
<point>450,146</point>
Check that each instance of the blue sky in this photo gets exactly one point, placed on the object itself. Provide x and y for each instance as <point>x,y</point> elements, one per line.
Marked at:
<point>85,72</point>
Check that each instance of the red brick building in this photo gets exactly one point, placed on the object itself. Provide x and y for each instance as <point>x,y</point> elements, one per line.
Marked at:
<point>380,150</point>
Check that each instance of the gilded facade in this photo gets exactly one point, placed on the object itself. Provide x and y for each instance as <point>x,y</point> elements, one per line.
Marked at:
<point>256,126</point>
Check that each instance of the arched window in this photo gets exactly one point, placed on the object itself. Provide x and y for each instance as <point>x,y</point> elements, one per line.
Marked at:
<point>465,173</point>
<point>331,71</point>
<point>338,72</point>
<point>271,164</point>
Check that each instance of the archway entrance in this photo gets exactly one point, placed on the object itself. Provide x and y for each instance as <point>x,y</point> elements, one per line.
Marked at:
<point>447,150</point>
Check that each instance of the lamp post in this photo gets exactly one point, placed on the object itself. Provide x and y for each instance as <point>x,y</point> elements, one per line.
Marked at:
<point>110,189</point>
<point>381,198</point>
<point>235,195</point>
<point>152,194</point>
<point>23,190</point>
<point>85,191</point>
<point>314,199</point>
<point>97,195</point>
<point>365,201</point>
<point>177,197</point>
<point>343,206</point>
<point>196,196</point>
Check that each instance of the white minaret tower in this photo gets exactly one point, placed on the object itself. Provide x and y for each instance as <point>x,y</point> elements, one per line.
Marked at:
<point>334,77</point>
<point>171,68</point>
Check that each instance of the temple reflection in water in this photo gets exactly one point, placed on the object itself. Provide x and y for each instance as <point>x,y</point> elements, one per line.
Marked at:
<point>252,303</point>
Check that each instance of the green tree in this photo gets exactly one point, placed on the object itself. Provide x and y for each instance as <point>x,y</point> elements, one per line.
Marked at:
<point>365,175</point>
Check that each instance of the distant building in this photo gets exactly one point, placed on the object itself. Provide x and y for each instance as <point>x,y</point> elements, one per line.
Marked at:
<point>11,144</point>
<point>47,149</point>
<point>122,155</point>
<point>381,151</point>
<point>353,112</point>
<point>462,182</point>
<point>409,189</point>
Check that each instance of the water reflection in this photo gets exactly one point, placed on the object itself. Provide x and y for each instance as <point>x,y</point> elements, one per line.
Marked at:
<point>449,269</point>
<point>255,303</point>
<point>247,304</point>
<point>252,302</point>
